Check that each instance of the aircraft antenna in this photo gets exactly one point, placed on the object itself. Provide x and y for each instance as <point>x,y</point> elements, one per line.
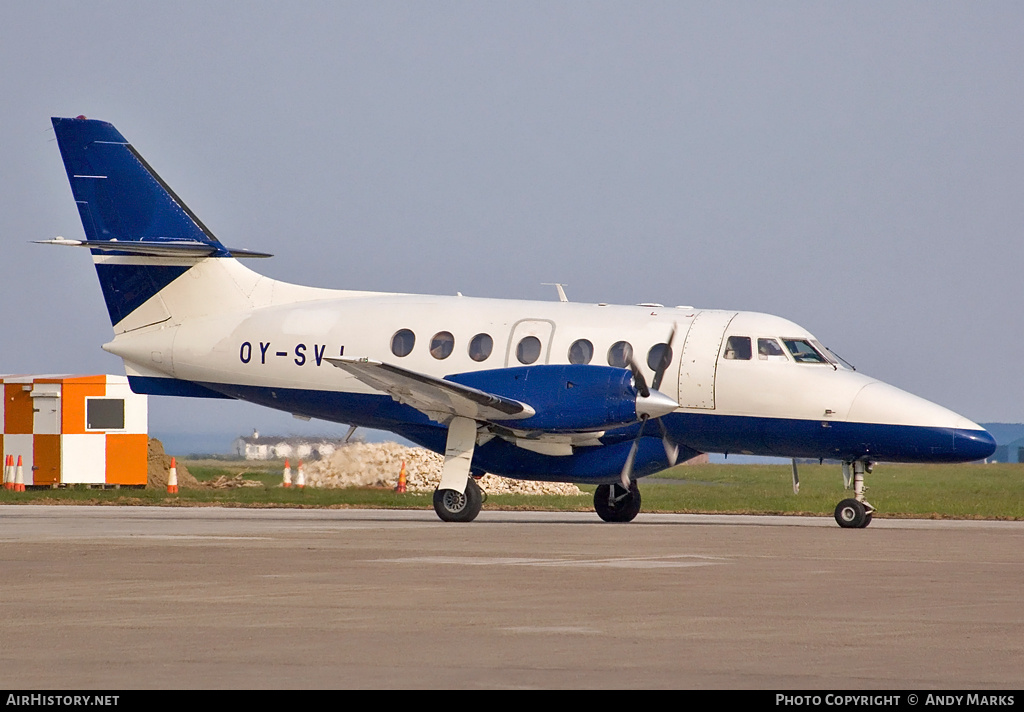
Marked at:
<point>561,290</point>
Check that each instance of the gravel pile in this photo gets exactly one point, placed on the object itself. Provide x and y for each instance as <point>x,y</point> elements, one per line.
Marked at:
<point>378,465</point>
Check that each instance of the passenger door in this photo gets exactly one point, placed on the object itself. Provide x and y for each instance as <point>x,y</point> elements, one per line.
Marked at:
<point>698,360</point>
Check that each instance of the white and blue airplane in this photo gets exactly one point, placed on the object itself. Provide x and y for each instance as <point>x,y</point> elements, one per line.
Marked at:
<point>552,391</point>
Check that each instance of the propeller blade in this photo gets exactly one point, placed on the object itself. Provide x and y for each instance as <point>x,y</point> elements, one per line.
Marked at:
<point>666,359</point>
<point>639,380</point>
<point>796,479</point>
<point>627,469</point>
<point>671,449</point>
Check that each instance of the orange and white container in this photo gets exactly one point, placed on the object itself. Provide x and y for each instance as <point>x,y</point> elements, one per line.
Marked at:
<point>74,429</point>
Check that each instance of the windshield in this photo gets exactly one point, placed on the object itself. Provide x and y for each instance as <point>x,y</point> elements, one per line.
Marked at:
<point>834,357</point>
<point>804,352</point>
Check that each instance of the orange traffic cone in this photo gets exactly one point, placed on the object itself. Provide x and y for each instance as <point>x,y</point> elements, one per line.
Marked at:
<point>287,475</point>
<point>172,478</point>
<point>9,472</point>
<point>400,487</point>
<point>300,480</point>
<point>19,478</point>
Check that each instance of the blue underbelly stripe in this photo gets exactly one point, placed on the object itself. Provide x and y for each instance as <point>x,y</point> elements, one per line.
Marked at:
<point>699,432</point>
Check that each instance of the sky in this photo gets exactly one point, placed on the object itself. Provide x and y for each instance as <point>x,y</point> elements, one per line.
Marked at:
<point>857,168</point>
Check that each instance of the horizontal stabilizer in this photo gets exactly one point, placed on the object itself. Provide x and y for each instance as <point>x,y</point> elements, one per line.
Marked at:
<point>439,399</point>
<point>168,248</point>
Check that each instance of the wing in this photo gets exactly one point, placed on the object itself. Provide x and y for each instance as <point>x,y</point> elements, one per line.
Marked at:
<point>439,399</point>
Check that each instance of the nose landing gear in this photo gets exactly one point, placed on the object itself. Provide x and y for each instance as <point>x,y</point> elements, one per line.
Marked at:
<point>855,513</point>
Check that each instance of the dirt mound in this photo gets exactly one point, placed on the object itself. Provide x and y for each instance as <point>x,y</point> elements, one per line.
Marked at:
<point>160,468</point>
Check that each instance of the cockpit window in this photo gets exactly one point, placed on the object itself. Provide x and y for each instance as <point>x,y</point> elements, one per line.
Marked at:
<point>803,351</point>
<point>769,347</point>
<point>737,348</point>
<point>834,357</point>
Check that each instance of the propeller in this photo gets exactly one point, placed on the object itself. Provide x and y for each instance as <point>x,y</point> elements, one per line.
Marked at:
<point>671,449</point>
<point>652,403</point>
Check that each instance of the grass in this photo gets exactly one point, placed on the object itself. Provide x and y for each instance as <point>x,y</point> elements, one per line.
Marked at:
<point>993,491</point>
<point>948,491</point>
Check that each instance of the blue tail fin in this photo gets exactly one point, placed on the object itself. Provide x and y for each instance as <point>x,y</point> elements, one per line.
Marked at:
<point>118,195</point>
<point>142,235</point>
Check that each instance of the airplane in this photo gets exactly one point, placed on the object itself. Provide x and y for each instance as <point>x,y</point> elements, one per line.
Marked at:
<point>551,391</point>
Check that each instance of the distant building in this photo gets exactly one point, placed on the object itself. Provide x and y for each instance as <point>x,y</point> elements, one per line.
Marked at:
<point>1013,451</point>
<point>276,447</point>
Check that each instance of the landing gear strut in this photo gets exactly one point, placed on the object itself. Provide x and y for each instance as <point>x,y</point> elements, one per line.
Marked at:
<point>615,503</point>
<point>855,513</point>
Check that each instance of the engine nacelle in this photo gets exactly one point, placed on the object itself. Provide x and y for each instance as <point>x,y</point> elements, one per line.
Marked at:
<point>567,398</point>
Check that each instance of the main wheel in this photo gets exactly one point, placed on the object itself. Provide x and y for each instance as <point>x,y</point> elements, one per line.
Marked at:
<point>851,514</point>
<point>614,503</point>
<point>453,506</point>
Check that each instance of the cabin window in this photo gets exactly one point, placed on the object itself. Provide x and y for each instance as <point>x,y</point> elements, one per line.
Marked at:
<point>803,352</point>
<point>480,347</point>
<point>620,354</point>
<point>769,347</point>
<point>657,354</point>
<point>528,349</point>
<point>442,344</point>
<point>737,348</point>
<point>581,352</point>
<point>402,342</point>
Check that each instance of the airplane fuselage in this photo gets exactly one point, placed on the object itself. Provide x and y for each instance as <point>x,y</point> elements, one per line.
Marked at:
<point>752,403</point>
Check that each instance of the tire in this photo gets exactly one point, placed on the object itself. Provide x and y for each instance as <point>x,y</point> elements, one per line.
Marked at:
<point>851,514</point>
<point>623,509</point>
<point>451,506</point>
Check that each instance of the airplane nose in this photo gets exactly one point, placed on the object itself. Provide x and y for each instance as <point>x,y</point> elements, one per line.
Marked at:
<point>973,444</point>
<point>918,430</point>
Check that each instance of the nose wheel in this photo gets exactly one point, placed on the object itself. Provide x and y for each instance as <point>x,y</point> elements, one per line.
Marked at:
<point>615,503</point>
<point>854,513</point>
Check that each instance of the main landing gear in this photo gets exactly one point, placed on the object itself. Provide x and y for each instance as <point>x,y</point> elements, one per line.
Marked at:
<point>855,513</point>
<point>458,497</point>
<point>454,506</point>
<point>615,503</point>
